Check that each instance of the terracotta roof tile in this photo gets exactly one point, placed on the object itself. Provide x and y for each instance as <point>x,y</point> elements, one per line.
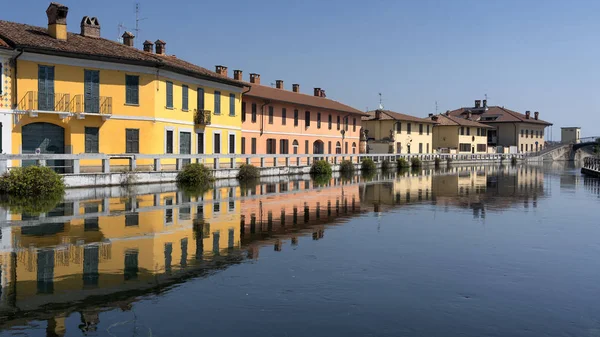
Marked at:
<point>391,115</point>
<point>281,95</point>
<point>501,115</point>
<point>37,39</point>
<point>444,120</point>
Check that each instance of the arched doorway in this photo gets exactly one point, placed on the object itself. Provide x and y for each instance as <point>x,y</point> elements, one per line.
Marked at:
<point>353,148</point>
<point>295,146</point>
<point>318,147</point>
<point>338,148</point>
<point>49,138</point>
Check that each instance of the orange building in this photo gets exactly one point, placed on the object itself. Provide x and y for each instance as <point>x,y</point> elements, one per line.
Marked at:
<point>280,121</point>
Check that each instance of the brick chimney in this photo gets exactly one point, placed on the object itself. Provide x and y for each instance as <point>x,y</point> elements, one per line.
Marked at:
<point>160,47</point>
<point>536,115</point>
<point>221,70</point>
<point>90,27</point>
<point>279,84</point>
<point>255,78</point>
<point>57,20</point>
<point>318,92</point>
<point>377,114</point>
<point>477,104</point>
<point>128,39</point>
<point>296,87</point>
<point>237,75</point>
<point>148,46</point>
<point>527,114</point>
<point>485,103</point>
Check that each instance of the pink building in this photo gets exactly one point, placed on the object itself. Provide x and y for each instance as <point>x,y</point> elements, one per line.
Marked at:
<point>280,121</point>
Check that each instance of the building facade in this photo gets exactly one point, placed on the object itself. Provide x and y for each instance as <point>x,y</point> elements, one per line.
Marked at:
<point>510,128</point>
<point>459,135</point>
<point>570,134</point>
<point>280,121</point>
<point>80,93</point>
<point>392,132</point>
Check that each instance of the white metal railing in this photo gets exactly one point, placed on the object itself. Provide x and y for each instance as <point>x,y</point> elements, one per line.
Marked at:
<point>230,161</point>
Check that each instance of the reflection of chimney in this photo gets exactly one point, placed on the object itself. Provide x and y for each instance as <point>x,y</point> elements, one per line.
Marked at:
<point>237,75</point>
<point>296,87</point>
<point>527,114</point>
<point>536,115</point>
<point>477,104</point>
<point>279,84</point>
<point>57,20</point>
<point>255,78</point>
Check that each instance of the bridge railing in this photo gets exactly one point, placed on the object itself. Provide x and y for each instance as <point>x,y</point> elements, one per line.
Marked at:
<point>106,163</point>
<point>592,163</point>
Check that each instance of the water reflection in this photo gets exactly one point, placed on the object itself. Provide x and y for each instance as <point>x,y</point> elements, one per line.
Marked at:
<point>103,249</point>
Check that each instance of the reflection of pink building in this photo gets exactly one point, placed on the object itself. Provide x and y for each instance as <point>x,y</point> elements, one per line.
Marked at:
<point>279,121</point>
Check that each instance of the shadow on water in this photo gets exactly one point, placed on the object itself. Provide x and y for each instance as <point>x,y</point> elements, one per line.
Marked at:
<point>105,249</point>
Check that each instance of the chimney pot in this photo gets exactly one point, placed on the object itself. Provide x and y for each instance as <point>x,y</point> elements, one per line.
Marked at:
<point>477,103</point>
<point>378,114</point>
<point>536,115</point>
<point>237,75</point>
<point>221,70</point>
<point>57,20</point>
<point>296,87</point>
<point>128,39</point>
<point>279,84</point>
<point>148,46</point>
<point>90,27</point>
<point>527,114</point>
<point>255,78</point>
<point>318,92</point>
<point>430,115</point>
<point>160,47</point>
<point>485,103</point>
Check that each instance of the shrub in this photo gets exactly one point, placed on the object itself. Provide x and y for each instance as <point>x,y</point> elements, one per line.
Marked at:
<point>385,165</point>
<point>32,181</point>
<point>448,160</point>
<point>415,162</point>
<point>402,163</point>
<point>320,167</point>
<point>321,179</point>
<point>194,176</point>
<point>368,165</point>
<point>437,162</point>
<point>248,172</point>
<point>346,167</point>
<point>513,160</point>
<point>29,205</point>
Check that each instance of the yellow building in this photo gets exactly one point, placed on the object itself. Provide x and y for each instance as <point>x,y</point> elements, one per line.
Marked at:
<point>459,135</point>
<point>80,93</point>
<point>393,132</point>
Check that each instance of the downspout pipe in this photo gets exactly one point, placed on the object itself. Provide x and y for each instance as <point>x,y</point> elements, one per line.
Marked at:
<point>16,91</point>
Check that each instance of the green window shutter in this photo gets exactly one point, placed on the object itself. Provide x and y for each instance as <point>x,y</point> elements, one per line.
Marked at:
<point>169,94</point>
<point>184,97</point>
<point>200,102</point>
<point>231,104</point>
<point>217,102</point>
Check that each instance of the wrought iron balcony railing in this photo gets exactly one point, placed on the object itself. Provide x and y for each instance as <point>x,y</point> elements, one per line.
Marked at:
<point>96,105</point>
<point>40,101</point>
<point>202,117</point>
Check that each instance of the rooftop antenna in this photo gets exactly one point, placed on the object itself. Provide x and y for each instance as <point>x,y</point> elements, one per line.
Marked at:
<point>137,22</point>
<point>380,102</point>
<point>121,28</point>
<point>436,107</point>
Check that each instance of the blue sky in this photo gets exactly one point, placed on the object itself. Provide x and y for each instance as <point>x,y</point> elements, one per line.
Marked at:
<point>525,55</point>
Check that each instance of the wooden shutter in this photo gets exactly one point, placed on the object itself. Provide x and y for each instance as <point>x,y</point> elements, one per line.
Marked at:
<point>231,104</point>
<point>243,145</point>
<point>169,94</point>
<point>184,98</point>
<point>217,102</point>
<point>232,144</point>
<point>91,140</point>
<point>200,100</point>
<point>42,89</point>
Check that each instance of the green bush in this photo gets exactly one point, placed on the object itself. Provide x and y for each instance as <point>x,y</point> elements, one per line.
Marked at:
<point>320,167</point>
<point>415,162</point>
<point>402,163</point>
<point>32,181</point>
<point>248,172</point>
<point>347,167</point>
<point>437,162</point>
<point>195,176</point>
<point>368,165</point>
<point>321,179</point>
<point>385,165</point>
<point>29,205</point>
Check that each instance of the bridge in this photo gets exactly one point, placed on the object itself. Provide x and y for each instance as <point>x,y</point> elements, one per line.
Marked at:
<point>567,151</point>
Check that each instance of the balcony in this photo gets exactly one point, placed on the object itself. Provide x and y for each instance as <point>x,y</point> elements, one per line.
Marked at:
<point>202,117</point>
<point>64,105</point>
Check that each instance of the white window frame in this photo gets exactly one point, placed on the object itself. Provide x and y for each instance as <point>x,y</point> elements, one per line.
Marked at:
<point>188,130</point>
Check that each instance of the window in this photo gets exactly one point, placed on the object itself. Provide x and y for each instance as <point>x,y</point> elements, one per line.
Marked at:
<point>398,127</point>
<point>318,120</point>
<point>132,89</point>
<point>185,145</point>
<point>253,112</point>
<point>271,146</point>
<point>130,271</point>
<point>462,130</point>
<point>468,131</point>
<point>420,147</point>
<point>296,117</point>
<point>217,102</point>
<point>521,144</point>
<point>243,111</point>
<point>354,124</point>
<point>243,145</point>
<point>521,132</point>
<point>284,146</point>
<point>271,115</point>
<point>295,146</point>
<point>185,98</point>
<point>428,130</point>
<point>329,122</point>
<point>481,148</point>
<point>353,148</point>
<point>307,118</point>
<point>427,148</point>
<point>232,144</point>
<point>464,147</point>
<point>217,143</point>
<point>346,121</point>
<point>329,147</point>
<point>283,116</point>
<point>232,105</point>
<point>253,145</point>
<point>91,140</point>
<point>408,128</point>
<point>132,141</point>
<point>536,134</point>
<point>346,147</point>
<point>169,142</point>
<point>420,129</point>
<point>478,132</point>
<point>338,122</point>
<point>200,144</point>
<point>200,99</point>
<point>483,132</point>
<point>306,146</point>
<point>170,95</point>
<point>338,148</point>
<point>91,92</point>
<point>45,88</point>
<point>526,147</point>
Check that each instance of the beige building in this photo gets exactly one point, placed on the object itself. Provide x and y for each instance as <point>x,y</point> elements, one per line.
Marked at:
<point>510,128</point>
<point>570,134</point>
<point>459,135</point>
<point>393,132</point>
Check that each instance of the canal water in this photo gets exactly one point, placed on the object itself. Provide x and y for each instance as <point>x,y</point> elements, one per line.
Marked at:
<point>468,251</point>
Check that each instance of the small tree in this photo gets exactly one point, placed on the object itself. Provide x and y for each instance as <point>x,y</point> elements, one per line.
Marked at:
<point>320,167</point>
<point>402,163</point>
<point>368,165</point>
<point>346,167</point>
<point>248,172</point>
<point>415,162</point>
<point>195,175</point>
